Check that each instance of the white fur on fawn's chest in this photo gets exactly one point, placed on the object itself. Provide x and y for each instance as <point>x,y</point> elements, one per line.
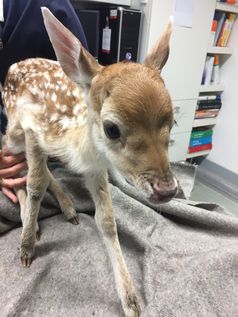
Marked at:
<point>85,161</point>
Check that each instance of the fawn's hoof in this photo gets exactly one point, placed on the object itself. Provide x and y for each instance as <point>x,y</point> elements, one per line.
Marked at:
<point>132,307</point>
<point>74,220</point>
<point>26,255</point>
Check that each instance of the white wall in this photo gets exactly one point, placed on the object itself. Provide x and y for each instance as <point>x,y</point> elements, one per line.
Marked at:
<point>188,46</point>
<point>225,141</point>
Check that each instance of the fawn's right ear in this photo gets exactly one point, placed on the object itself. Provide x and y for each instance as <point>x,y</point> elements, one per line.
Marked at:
<point>159,54</point>
<point>76,61</point>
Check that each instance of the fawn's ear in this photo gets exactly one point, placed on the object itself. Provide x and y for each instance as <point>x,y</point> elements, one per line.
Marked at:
<point>159,54</point>
<point>76,61</point>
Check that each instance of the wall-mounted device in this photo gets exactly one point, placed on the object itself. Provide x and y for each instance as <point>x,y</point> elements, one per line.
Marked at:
<point>112,33</point>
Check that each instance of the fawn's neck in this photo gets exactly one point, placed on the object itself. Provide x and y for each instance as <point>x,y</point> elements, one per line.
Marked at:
<point>78,150</point>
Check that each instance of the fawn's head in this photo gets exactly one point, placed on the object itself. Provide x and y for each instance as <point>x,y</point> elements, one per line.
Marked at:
<point>130,110</point>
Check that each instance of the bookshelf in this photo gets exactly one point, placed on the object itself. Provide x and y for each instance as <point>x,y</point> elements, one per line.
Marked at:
<point>201,153</point>
<point>220,50</point>
<point>226,7</point>
<point>183,71</point>
<point>214,89</point>
<point>182,74</point>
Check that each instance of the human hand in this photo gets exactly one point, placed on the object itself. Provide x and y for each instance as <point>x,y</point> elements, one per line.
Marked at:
<point>10,167</point>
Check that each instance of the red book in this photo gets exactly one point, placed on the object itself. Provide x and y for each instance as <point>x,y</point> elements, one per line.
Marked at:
<point>199,148</point>
<point>231,1</point>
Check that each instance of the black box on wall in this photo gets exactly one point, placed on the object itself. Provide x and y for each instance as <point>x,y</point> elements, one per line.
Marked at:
<point>112,33</point>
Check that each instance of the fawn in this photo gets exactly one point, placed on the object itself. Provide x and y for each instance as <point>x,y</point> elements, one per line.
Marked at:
<point>91,117</point>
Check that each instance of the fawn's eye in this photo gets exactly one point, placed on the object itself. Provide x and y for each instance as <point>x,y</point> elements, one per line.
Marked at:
<point>111,130</point>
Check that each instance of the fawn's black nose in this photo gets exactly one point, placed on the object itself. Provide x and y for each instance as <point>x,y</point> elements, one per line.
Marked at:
<point>163,192</point>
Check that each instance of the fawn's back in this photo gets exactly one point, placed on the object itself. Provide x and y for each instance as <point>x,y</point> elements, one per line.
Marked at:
<point>44,99</point>
<point>40,97</point>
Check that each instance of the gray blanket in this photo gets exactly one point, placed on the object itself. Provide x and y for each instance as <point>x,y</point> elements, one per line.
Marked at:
<point>182,256</point>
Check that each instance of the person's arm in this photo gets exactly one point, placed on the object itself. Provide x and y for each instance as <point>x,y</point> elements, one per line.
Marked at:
<point>11,165</point>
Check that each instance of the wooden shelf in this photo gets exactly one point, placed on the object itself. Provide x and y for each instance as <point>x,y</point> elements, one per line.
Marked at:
<point>196,154</point>
<point>220,50</point>
<point>204,122</point>
<point>227,7</point>
<point>211,88</point>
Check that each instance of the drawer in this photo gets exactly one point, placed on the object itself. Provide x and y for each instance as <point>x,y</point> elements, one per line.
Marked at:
<point>184,111</point>
<point>178,146</point>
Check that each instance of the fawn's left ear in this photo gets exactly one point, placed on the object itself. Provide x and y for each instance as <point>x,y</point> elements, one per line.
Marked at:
<point>159,54</point>
<point>76,61</point>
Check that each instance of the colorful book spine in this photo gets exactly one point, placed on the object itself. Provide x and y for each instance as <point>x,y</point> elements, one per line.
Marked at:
<point>197,134</point>
<point>232,2</point>
<point>223,33</point>
<point>209,102</point>
<point>200,141</point>
<point>213,31</point>
<point>204,147</point>
<point>216,71</point>
<point>209,105</point>
<point>210,113</point>
<point>210,97</point>
<point>220,21</point>
<point>226,30</point>
<point>231,18</point>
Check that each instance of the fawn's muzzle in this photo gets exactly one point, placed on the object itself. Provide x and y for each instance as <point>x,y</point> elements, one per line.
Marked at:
<point>163,192</point>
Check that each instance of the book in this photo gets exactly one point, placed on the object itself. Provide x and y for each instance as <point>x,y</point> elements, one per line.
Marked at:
<point>207,73</point>
<point>216,71</point>
<point>196,134</point>
<point>209,97</point>
<point>226,29</point>
<point>223,33</point>
<point>209,102</point>
<point>231,20</point>
<point>204,70</point>
<point>213,32</point>
<point>200,141</point>
<point>208,106</point>
<point>231,2</point>
<point>198,148</point>
<point>202,114</point>
<point>220,16</point>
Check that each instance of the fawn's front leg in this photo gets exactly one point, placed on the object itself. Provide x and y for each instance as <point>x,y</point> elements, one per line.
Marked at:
<point>37,183</point>
<point>97,184</point>
<point>65,202</point>
<point>21,195</point>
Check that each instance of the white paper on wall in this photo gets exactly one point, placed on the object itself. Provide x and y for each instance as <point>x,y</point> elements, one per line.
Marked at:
<point>184,12</point>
